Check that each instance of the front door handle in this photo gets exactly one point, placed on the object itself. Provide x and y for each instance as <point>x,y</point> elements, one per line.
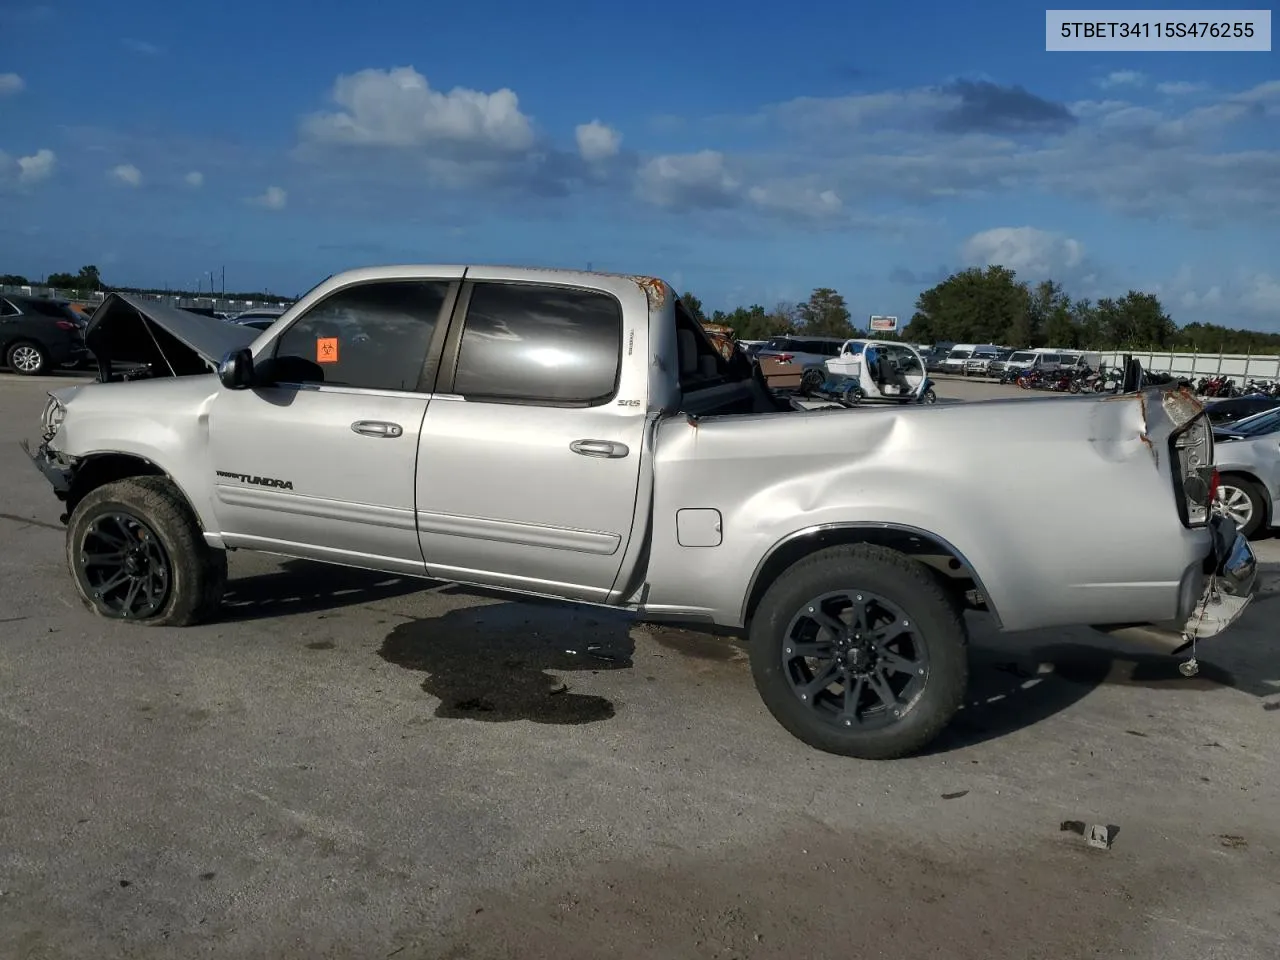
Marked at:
<point>378,428</point>
<point>600,448</point>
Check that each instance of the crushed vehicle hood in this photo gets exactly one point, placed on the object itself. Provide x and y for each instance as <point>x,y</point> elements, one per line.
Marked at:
<point>169,342</point>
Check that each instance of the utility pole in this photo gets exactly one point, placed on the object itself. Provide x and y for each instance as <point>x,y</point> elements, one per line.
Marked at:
<point>224,281</point>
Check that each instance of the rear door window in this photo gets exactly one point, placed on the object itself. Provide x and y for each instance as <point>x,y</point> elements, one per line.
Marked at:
<point>535,343</point>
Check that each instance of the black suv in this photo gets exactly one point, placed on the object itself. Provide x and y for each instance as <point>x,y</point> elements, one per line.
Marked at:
<point>37,333</point>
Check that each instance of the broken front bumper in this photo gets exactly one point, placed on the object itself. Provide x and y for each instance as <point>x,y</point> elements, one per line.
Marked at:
<point>1231,578</point>
<point>58,475</point>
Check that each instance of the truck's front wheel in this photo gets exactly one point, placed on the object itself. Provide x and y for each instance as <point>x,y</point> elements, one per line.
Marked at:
<point>137,553</point>
<point>857,651</point>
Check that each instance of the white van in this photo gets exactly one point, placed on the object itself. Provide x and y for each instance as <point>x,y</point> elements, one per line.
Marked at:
<point>1043,359</point>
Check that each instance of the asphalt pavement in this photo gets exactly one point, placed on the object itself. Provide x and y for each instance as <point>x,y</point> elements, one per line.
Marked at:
<point>355,765</point>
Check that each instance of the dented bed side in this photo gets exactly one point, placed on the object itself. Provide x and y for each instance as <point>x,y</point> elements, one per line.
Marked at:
<point>988,480</point>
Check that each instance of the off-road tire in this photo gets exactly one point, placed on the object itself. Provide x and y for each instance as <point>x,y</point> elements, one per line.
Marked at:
<point>912,587</point>
<point>199,572</point>
<point>11,355</point>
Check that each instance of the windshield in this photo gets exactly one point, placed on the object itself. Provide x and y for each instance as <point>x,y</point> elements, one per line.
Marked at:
<point>1023,356</point>
<point>1257,425</point>
<point>959,354</point>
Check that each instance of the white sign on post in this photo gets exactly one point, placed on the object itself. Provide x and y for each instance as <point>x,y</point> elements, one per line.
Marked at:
<point>884,323</point>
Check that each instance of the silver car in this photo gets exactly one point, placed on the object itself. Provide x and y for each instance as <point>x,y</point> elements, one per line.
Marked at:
<point>1247,455</point>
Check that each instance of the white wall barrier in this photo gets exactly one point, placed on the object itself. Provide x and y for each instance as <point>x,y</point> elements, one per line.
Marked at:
<point>1238,366</point>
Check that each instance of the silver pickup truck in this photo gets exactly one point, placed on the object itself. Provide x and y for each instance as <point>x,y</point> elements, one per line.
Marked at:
<point>576,435</point>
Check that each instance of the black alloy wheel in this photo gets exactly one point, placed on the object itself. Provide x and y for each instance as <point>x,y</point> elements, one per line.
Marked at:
<point>855,659</point>
<point>124,567</point>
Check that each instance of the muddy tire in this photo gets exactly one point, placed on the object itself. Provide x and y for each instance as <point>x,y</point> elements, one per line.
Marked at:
<point>858,651</point>
<point>26,358</point>
<point>137,553</point>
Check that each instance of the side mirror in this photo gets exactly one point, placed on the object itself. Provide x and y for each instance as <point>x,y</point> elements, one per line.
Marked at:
<point>236,369</point>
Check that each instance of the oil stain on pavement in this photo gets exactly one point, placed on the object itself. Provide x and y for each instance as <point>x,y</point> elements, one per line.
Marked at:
<point>493,662</point>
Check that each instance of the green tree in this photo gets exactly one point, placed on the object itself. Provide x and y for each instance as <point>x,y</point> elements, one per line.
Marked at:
<point>65,281</point>
<point>89,278</point>
<point>694,306</point>
<point>826,315</point>
<point>972,306</point>
<point>14,280</point>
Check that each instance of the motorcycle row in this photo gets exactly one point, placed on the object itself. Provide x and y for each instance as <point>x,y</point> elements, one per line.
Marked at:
<point>1222,386</point>
<point>1081,380</point>
<point>1085,380</point>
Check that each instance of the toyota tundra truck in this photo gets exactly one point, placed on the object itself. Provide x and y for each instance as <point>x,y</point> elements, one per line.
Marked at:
<point>578,436</point>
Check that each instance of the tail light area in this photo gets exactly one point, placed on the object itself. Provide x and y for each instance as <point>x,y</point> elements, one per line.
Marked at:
<point>785,357</point>
<point>65,325</point>
<point>1195,478</point>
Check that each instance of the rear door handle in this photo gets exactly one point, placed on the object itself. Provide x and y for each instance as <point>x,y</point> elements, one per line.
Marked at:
<point>600,448</point>
<point>378,428</point>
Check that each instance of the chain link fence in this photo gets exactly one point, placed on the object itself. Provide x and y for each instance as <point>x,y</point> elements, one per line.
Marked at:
<point>217,304</point>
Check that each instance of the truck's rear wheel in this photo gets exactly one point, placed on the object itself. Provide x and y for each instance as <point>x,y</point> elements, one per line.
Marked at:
<point>136,552</point>
<point>856,650</point>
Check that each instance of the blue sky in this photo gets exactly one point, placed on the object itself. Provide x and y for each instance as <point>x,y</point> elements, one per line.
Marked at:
<point>749,152</point>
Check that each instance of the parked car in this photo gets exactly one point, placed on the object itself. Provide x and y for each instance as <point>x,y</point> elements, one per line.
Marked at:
<point>1247,455</point>
<point>1223,412</point>
<point>810,354</point>
<point>37,334</point>
<point>1023,360</point>
<point>256,316</point>
<point>577,436</point>
<point>981,359</point>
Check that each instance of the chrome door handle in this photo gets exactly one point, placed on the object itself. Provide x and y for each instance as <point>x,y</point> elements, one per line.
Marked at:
<point>600,448</point>
<point>378,428</point>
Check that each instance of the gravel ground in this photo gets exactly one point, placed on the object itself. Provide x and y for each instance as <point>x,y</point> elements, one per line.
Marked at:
<point>351,765</point>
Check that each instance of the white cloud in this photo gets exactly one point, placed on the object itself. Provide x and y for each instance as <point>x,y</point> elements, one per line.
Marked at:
<point>797,200</point>
<point>194,179</point>
<point>1178,88</point>
<point>398,108</point>
<point>127,174</point>
<point>687,180</point>
<point>1248,297</point>
<point>1025,250</point>
<point>11,83</point>
<point>39,166</point>
<point>273,198</point>
<point>597,141</point>
<point>1123,78</point>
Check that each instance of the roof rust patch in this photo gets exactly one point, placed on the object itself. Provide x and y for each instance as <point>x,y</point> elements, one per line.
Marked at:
<point>1181,405</point>
<point>654,289</point>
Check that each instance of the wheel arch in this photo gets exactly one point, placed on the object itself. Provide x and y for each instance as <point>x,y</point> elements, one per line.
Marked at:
<point>99,469</point>
<point>933,551</point>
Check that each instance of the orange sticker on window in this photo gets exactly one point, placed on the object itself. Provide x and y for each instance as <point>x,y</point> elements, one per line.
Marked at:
<point>326,350</point>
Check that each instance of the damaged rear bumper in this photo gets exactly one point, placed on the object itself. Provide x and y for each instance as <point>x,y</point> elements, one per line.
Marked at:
<point>1230,583</point>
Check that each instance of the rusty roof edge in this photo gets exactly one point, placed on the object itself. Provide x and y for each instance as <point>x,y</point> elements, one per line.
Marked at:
<point>655,290</point>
